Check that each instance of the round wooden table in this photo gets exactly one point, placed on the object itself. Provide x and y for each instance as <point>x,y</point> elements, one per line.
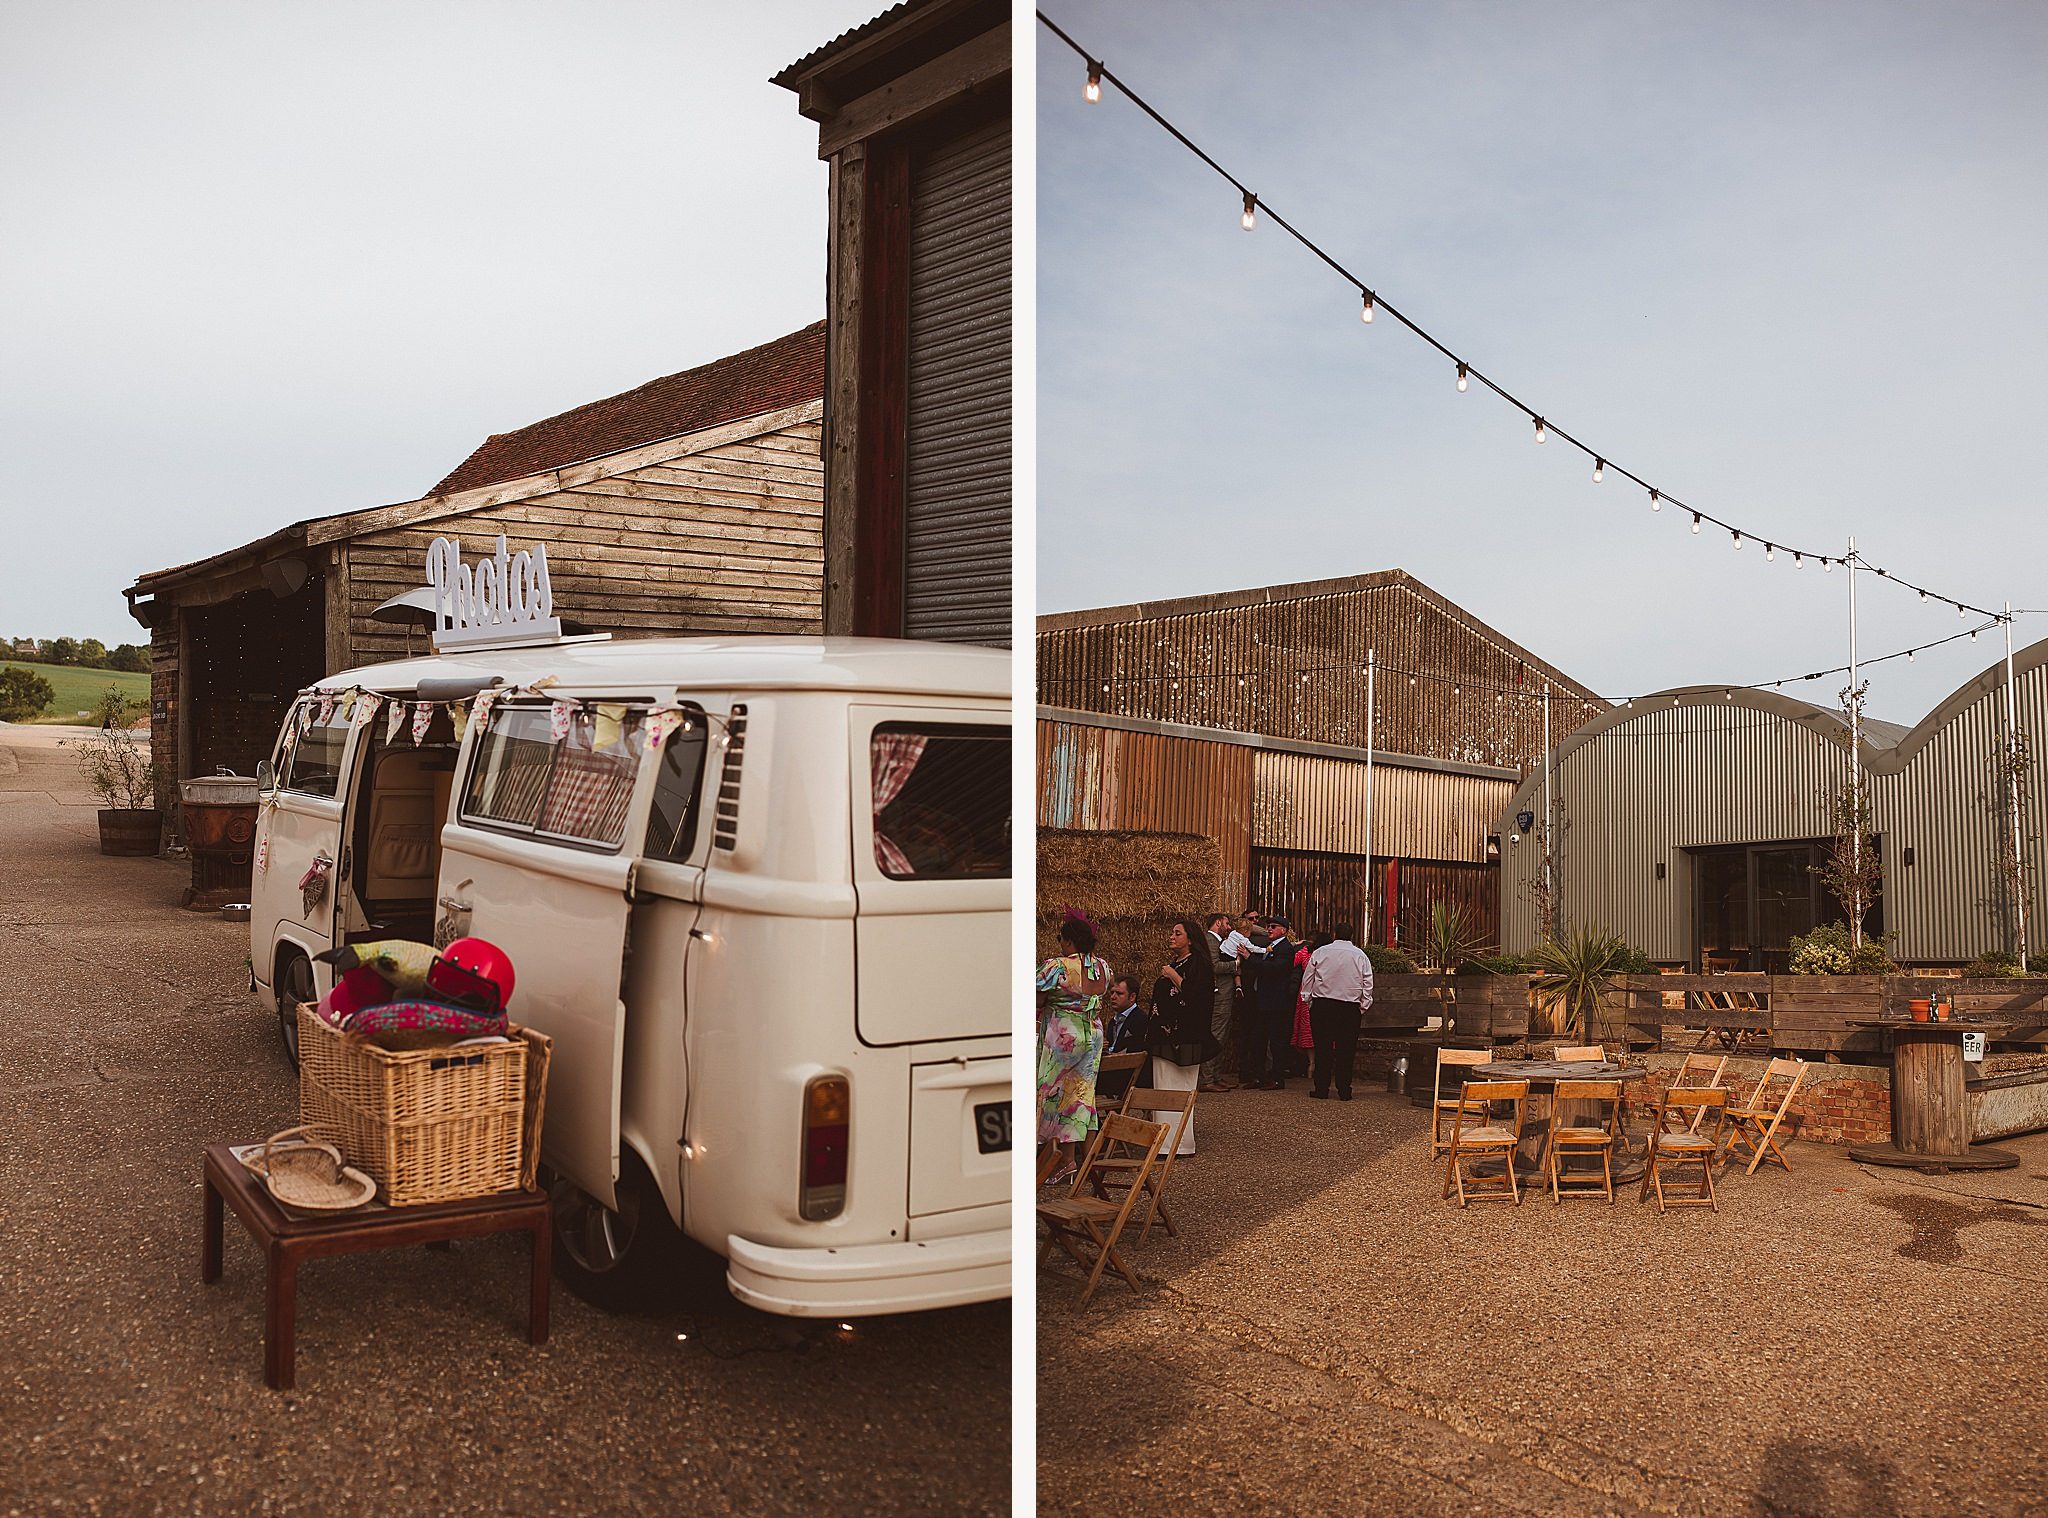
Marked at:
<point>1930,1100</point>
<point>1541,1073</point>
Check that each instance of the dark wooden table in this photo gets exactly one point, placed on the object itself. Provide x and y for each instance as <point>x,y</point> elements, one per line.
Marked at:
<point>289,1237</point>
<point>1930,1102</point>
<point>1548,1072</point>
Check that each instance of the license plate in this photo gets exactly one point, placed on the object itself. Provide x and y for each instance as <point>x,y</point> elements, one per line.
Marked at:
<point>992,1127</point>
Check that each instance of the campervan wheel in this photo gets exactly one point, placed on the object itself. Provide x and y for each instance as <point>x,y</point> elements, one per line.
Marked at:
<point>611,1257</point>
<point>294,985</point>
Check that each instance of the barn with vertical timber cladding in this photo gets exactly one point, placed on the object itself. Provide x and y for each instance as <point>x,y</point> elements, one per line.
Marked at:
<point>1242,717</point>
<point>691,504</point>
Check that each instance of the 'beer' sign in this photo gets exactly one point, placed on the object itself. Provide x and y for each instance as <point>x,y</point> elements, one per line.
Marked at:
<point>503,600</point>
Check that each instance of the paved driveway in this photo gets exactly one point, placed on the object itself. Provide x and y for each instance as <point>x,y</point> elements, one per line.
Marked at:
<point>126,1042</point>
<point>1330,1337</point>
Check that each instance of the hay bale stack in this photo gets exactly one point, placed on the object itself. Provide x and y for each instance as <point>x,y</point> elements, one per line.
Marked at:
<point>1132,884</point>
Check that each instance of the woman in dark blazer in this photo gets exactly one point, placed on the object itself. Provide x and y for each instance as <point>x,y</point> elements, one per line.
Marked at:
<point>1182,999</point>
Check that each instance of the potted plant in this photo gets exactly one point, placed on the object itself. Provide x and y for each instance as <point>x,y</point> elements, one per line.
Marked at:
<point>118,768</point>
<point>1572,972</point>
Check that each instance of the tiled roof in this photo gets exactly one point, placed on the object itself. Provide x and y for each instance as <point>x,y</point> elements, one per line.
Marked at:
<point>786,372</point>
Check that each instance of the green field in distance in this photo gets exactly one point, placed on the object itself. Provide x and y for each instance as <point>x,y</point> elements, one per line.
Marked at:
<point>77,688</point>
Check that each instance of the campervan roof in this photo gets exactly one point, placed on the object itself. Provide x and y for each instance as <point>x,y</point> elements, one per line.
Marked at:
<point>753,663</point>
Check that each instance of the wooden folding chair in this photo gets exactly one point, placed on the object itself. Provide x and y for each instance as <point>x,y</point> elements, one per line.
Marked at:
<point>1117,1170</point>
<point>1578,1137</point>
<point>1754,1123</point>
<point>1437,1142</point>
<point>1114,1078</point>
<point>1476,1135</point>
<point>1078,1223</point>
<point>1672,1146</point>
<point>1699,1071</point>
<point>1572,1053</point>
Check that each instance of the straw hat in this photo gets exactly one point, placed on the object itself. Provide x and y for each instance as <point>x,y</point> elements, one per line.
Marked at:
<point>304,1172</point>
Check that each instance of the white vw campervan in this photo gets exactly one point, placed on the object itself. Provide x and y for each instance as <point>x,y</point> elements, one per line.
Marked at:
<point>757,891</point>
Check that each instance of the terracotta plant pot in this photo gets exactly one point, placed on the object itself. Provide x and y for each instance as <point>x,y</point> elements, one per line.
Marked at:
<point>1920,1009</point>
<point>130,830</point>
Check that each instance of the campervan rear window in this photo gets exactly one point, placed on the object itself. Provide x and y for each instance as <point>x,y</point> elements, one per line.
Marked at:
<point>941,797</point>
<point>575,790</point>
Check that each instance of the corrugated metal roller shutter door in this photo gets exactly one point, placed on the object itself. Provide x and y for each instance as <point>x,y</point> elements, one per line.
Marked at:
<point>957,476</point>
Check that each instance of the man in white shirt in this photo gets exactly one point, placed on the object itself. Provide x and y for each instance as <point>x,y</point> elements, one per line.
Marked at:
<point>1338,985</point>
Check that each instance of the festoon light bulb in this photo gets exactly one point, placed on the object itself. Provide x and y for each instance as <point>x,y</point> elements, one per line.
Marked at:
<point>1251,206</point>
<point>1599,468</point>
<point>1092,90</point>
<point>1695,524</point>
<point>1539,429</point>
<point>1657,503</point>
<point>1737,536</point>
<point>1461,379</point>
<point>1365,308</point>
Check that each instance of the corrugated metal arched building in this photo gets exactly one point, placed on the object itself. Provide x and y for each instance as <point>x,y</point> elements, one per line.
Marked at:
<point>1690,821</point>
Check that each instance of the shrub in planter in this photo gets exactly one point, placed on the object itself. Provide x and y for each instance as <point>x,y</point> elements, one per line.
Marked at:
<point>1387,960</point>
<point>1494,964</point>
<point>119,770</point>
<point>1995,965</point>
<point>1827,951</point>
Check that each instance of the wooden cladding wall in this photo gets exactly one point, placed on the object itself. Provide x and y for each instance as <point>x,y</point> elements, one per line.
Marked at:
<point>729,540</point>
<point>1240,664</point>
<point>1104,779</point>
<point>1323,891</point>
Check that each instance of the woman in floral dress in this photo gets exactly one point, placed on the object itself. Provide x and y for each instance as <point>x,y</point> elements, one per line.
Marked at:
<point>1070,991</point>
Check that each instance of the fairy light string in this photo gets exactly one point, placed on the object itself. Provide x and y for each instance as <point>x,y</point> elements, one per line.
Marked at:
<point>1531,688</point>
<point>1373,301</point>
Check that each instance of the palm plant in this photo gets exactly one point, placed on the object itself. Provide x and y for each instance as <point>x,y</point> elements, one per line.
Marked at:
<point>1449,937</point>
<point>1572,971</point>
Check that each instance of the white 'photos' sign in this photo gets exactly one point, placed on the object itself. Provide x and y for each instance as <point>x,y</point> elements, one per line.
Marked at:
<point>501,600</point>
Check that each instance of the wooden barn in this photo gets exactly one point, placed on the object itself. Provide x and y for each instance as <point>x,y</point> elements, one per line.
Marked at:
<point>913,114</point>
<point>692,504</point>
<point>1242,717</point>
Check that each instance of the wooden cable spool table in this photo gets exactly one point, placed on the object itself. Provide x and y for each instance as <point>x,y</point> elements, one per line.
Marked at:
<point>1548,1072</point>
<point>1930,1103</point>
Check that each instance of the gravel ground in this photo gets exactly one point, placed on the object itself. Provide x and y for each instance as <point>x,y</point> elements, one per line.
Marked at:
<point>127,1042</point>
<point>1327,1335</point>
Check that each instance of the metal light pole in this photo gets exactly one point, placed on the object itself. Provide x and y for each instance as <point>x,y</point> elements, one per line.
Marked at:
<point>1855,766</point>
<point>1371,669</point>
<point>2012,780</point>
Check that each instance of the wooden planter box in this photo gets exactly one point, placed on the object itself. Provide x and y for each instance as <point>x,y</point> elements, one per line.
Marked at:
<point>1813,1014</point>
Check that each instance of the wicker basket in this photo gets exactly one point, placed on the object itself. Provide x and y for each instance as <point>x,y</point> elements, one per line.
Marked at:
<point>428,1125</point>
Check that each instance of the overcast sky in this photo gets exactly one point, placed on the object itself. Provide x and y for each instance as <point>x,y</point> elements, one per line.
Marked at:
<point>1787,260</point>
<point>264,262</point>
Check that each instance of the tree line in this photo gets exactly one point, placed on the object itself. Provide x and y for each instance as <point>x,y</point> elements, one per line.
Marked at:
<point>82,653</point>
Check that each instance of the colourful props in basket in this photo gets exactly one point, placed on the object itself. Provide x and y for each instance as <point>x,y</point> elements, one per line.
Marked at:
<point>426,1017</point>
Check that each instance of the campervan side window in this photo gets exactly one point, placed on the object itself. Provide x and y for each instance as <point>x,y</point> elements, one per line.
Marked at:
<point>572,790</point>
<point>678,782</point>
<point>314,754</point>
<point>941,801</point>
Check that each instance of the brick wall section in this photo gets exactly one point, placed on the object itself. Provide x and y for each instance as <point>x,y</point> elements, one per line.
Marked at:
<point>163,701</point>
<point>1836,1104</point>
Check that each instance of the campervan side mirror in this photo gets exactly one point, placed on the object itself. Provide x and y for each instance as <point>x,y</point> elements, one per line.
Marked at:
<point>266,776</point>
